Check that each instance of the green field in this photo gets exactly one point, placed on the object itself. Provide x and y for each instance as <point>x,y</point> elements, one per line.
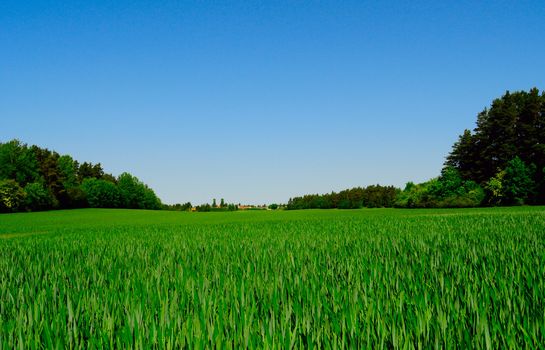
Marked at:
<point>375,278</point>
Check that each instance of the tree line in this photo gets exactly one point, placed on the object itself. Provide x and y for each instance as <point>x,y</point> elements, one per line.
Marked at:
<point>222,206</point>
<point>371,197</point>
<point>505,153</point>
<point>500,162</point>
<point>206,207</point>
<point>34,178</point>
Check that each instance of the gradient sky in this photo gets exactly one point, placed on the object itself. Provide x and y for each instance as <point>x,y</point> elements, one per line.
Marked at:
<point>255,101</point>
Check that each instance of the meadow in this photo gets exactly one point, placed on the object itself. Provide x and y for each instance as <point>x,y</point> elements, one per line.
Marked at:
<point>371,278</point>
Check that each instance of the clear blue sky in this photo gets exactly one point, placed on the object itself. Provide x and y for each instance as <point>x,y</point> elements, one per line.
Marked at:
<point>257,101</point>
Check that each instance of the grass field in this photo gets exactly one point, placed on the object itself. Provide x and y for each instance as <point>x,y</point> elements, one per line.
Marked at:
<point>383,278</point>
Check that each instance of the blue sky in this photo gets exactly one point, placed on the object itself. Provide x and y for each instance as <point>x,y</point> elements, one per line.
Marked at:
<point>257,102</point>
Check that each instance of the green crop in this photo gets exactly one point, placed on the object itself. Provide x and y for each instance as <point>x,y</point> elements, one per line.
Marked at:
<point>311,279</point>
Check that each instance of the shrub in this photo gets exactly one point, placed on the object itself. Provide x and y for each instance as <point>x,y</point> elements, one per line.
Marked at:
<point>12,196</point>
<point>38,197</point>
<point>101,193</point>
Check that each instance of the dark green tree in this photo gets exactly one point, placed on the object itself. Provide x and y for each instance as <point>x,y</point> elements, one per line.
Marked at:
<point>518,182</point>
<point>49,170</point>
<point>88,170</point>
<point>130,190</point>
<point>513,126</point>
<point>101,193</point>
<point>135,194</point>
<point>178,207</point>
<point>18,162</point>
<point>68,169</point>
<point>462,156</point>
<point>38,197</point>
<point>76,198</point>
<point>68,196</point>
<point>150,200</point>
<point>54,181</point>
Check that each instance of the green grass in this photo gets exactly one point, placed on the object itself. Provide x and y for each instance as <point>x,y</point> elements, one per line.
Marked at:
<point>380,278</point>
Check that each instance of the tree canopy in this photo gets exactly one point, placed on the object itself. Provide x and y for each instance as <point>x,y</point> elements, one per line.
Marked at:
<point>500,162</point>
<point>371,197</point>
<point>34,178</point>
<point>508,143</point>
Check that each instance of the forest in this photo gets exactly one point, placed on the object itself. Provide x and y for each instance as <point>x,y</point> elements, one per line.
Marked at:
<point>34,178</point>
<point>500,162</point>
